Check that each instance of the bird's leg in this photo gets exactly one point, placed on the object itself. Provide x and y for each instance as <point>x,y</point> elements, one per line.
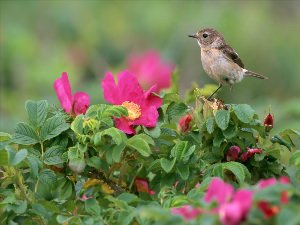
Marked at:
<point>220,85</point>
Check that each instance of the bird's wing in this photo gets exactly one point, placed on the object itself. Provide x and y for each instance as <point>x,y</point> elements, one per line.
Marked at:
<point>231,54</point>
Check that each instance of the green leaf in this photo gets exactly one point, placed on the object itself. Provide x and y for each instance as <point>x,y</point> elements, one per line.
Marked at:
<point>230,132</point>
<point>237,169</point>
<point>153,132</point>
<point>4,136</point>
<point>210,125</point>
<point>53,127</point>
<point>167,165</point>
<point>295,159</point>
<point>77,124</point>
<point>94,161</point>
<point>117,152</point>
<point>37,112</point>
<point>25,135</point>
<point>244,112</point>
<point>113,111</point>
<point>183,171</point>
<point>16,157</point>
<point>176,110</point>
<point>47,176</point>
<point>139,144</point>
<point>92,207</point>
<point>53,155</point>
<point>179,150</point>
<point>117,136</point>
<point>222,118</point>
<point>4,157</point>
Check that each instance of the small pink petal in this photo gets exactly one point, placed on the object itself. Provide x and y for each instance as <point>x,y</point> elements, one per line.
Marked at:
<point>267,182</point>
<point>244,198</point>
<point>124,125</point>
<point>218,191</point>
<point>284,180</point>
<point>63,91</point>
<point>148,118</point>
<point>230,213</point>
<point>110,90</point>
<point>81,102</point>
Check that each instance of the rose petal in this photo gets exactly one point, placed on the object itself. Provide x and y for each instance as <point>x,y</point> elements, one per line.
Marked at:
<point>110,90</point>
<point>124,125</point>
<point>81,102</point>
<point>63,91</point>
<point>218,191</point>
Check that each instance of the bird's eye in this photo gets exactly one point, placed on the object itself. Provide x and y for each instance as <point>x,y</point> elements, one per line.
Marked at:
<point>205,35</point>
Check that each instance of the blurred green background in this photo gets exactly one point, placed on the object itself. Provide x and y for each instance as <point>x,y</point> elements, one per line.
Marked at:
<point>41,39</point>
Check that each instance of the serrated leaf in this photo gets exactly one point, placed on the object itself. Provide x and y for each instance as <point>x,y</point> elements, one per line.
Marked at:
<point>222,119</point>
<point>230,132</point>
<point>4,157</point>
<point>53,127</point>
<point>24,135</point>
<point>244,112</point>
<point>16,157</point>
<point>77,125</point>
<point>117,152</point>
<point>47,176</point>
<point>37,112</point>
<point>167,165</point>
<point>183,171</point>
<point>115,111</point>
<point>4,136</point>
<point>140,145</point>
<point>176,110</point>
<point>117,136</point>
<point>92,207</point>
<point>179,149</point>
<point>295,159</point>
<point>153,132</point>
<point>94,161</point>
<point>237,169</point>
<point>53,155</point>
<point>210,124</point>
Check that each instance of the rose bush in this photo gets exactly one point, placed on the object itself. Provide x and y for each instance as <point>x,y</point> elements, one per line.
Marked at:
<point>147,158</point>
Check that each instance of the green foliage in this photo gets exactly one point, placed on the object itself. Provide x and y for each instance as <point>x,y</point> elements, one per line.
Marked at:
<point>85,172</point>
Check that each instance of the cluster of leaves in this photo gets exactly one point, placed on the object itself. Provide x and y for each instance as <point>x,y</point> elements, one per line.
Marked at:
<point>60,170</point>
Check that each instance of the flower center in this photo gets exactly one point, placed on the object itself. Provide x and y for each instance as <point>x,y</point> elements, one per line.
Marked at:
<point>134,110</point>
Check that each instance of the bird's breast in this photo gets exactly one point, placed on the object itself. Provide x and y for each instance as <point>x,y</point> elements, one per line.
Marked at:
<point>219,67</point>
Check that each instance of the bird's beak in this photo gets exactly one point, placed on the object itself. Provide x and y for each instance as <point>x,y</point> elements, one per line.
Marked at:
<point>193,36</point>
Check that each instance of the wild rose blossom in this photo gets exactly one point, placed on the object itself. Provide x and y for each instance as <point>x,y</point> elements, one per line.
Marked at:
<point>233,207</point>
<point>72,104</point>
<point>184,124</point>
<point>232,153</point>
<point>141,185</point>
<point>141,105</point>
<point>267,208</point>
<point>149,69</point>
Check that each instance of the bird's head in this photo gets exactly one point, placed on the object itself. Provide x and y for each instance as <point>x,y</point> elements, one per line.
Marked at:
<point>208,38</point>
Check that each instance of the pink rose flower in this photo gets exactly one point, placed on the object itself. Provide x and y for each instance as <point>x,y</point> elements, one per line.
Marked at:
<point>267,208</point>
<point>149,69</point>
<point>142,106</point>
<point>233,207</point>
<point>186,211</point>
<point>72,104</point>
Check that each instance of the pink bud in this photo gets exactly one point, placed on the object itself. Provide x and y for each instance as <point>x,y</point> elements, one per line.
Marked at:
<point>250,153</point>
<point>184,124</point>
<point>232,153</point>
<point>269,122</point>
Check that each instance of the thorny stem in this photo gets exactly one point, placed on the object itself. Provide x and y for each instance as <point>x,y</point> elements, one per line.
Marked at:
<point>117,189</point>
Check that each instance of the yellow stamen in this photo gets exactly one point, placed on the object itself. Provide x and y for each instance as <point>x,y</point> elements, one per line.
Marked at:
<point>134,110</point>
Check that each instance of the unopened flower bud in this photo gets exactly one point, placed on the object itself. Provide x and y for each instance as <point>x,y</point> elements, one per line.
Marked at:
<point>184,124</point>
<point>269,122</point>
<point>250,153</point>
<point>232,153</point>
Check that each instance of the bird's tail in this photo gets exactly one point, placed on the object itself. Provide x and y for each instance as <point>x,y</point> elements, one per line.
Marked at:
<point>252,74</point>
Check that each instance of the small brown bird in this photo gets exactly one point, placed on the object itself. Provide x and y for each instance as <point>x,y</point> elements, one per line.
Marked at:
<point>219,60</point>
